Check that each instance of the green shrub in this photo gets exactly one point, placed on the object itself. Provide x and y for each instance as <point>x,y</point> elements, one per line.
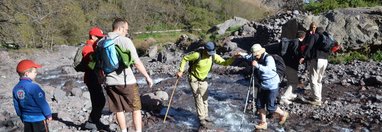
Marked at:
<point>377,56</point>
<point>348,57</point>
<point>325,5</point>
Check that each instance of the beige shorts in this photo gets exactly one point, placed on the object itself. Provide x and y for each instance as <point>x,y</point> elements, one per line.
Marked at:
<point>121,98</point>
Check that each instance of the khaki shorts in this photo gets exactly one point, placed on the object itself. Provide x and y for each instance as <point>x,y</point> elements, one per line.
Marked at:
<point>121,98</point>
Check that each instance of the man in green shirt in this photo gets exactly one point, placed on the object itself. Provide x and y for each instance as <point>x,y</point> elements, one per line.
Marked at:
<point>201,66</point>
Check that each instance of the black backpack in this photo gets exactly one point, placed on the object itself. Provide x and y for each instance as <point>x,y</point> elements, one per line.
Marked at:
<point>286,44</point>
<point>280,65</point>
<point>327,41</point>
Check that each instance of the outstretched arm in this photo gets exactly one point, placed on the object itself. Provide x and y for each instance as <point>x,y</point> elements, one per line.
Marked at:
<point>219,60</point>
<point>141,68</point>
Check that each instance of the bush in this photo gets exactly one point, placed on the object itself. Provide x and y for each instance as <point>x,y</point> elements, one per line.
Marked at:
<point>348,57</point>
<point>325,5</point>
<point>377,56</point>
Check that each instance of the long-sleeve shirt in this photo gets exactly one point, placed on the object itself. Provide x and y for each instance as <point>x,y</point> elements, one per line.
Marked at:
<point>29,101</point>
<point>265,71</point>
<point>202,68</point>
<point>312,51</point>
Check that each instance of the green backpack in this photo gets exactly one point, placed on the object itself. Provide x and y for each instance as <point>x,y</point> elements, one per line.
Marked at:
<point>125,55</point>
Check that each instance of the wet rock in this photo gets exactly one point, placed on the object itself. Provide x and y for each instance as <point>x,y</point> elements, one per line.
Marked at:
<point>151,102</point>
<point>373,80</point>
<point>162,95</point>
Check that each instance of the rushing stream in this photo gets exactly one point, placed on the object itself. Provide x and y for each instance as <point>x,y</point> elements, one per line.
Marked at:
<point>227,94</point>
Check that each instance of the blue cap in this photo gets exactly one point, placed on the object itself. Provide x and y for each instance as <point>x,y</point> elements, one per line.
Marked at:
<point>210,47</point>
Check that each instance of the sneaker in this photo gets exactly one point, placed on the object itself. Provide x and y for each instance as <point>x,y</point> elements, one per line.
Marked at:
<point>283,118</point>
<point>285,101</point>
<point>315,102</point>
<point>208,119</point>
<point>262,125</point>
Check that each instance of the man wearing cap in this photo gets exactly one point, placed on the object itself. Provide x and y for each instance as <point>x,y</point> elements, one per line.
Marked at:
<point>202,64</point>
<point>90,78</point>
<point>29,99</point>
<point>268,82</point>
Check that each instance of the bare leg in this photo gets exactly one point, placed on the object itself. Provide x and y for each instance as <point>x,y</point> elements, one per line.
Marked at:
<point>121,120</point>
<point>137,120</point>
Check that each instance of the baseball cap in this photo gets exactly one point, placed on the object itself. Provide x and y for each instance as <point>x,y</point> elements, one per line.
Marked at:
<point>256,49</point>
<point>25,65</point>
<point>96,32</point>
<point>210,47</point>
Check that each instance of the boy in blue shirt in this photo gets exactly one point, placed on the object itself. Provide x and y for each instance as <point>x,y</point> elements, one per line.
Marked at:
<point>29,99</point>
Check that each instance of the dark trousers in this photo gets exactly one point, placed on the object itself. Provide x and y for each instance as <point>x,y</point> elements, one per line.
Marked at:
<point>267,99</point>
<point>40,126</point>
<point>96,96</point>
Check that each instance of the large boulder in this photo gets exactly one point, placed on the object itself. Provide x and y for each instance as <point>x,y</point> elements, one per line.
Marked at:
<point>354,28</point>
<point>221,28</point>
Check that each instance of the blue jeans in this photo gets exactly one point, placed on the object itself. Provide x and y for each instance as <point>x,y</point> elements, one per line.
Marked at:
<point>267,98</point>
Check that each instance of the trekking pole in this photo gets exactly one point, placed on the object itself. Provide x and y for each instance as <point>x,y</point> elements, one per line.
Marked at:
<point>246,100</point>
<point>169,103</point>
<point>253,92</point>
<point>249,90</point>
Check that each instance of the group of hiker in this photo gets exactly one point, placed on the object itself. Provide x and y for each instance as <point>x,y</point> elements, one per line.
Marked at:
<point>123,93</point>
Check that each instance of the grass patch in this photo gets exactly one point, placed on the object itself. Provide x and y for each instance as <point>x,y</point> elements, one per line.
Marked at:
<point>160,38</point>
<point>348,57</point>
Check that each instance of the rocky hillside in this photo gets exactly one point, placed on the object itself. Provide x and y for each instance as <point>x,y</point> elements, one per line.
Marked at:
<point>354,28</point>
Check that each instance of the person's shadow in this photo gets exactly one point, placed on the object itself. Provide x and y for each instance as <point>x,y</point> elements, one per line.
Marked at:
<point>71,124</point>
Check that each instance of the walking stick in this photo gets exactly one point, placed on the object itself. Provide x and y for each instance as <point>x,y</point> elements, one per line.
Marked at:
<point>169,103</point>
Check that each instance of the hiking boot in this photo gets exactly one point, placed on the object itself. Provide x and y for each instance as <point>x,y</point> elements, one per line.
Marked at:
<point>205,124</point>
<point>262,125</point>
<point>315,102</point>
<point>101,126</point>
<point>283,118</point>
